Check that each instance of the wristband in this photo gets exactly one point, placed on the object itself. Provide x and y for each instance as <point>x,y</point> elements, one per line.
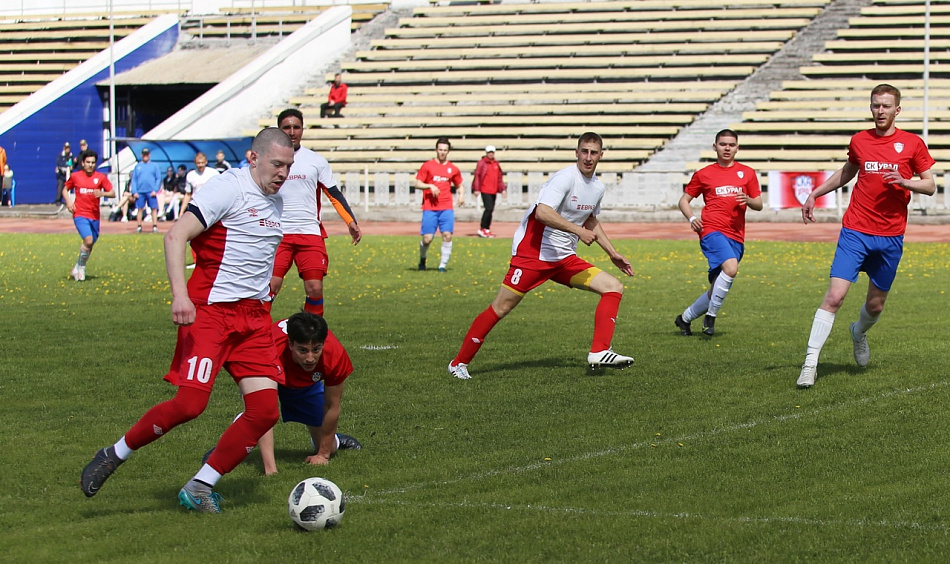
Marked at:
<point>692,219</point>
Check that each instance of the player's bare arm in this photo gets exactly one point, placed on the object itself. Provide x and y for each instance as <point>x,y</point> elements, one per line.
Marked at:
<point>695,223</point>
<point>618,259</point>
<point>332,398</point>
<point>840,177</point>
<point>923,185</point>
<point>752,203</point>
<point>176,240</point>
<point>548,216</point>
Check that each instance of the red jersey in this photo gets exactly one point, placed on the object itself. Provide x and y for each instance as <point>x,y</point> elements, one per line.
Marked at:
<point>719,187</point>
<point>333,367</point>
<point>82,186</point>
<point>488,178</point>
<point>877,208</point>
<point>442,175</point>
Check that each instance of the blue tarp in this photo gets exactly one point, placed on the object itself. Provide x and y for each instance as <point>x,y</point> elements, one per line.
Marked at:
<point>174,153</point>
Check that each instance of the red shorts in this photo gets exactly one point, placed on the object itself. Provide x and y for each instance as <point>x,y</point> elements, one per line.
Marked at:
<point>236,336</point>
<point>525,275</point>
<point>309,252</point>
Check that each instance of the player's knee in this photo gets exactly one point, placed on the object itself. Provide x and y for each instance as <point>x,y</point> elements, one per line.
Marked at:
<point>261,408</point>
<point>612,284</point>
<point>190,403</point>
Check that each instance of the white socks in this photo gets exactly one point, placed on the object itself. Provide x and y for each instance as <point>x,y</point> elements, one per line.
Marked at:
<point>122,450</point>
<point>446,254</point>
<point>820,329</point>
<point>720,291</point>
<point>698,308</point>
<point>864,323</point>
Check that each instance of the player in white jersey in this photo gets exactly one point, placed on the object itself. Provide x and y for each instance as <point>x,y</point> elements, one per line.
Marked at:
<point>234,226</point>
<point>545,248</point>
<point>304,234</point>
<point>197,177</point>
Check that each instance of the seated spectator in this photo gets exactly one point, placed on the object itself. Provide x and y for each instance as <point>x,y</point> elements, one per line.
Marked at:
<point>336,99</point>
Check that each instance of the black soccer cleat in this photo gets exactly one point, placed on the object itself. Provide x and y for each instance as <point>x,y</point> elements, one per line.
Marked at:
<point>422,264</point>
<point>683,326</point>
<point>348,443</point>
<point>709,325</point>
<point>96,472</point>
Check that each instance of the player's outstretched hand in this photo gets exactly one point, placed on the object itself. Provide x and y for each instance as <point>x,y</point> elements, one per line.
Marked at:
<point>355,232</point>
<point>318,460</point>
<point>623,264</point>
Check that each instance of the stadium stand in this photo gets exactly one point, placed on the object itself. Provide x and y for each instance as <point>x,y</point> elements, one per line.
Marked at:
<point>34,52</point>
<point>277,21</point>
<point>528,77</point>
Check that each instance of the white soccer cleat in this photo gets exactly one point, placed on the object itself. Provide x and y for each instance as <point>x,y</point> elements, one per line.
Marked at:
<point>862,352</point>
<point>75,273</point>
<point>460,371</point>
<point>82,273</point>
<point>608,359</point>
<point>807,378</point>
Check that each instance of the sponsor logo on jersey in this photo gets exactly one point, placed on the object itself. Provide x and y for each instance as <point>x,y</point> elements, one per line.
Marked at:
<point>898,147</point>
<point>874,166</point>
<point>437,178</point>
<point>252,212</point>
<point>296,177</point>
<point>728,190</point>
<point>268,223</point>
<point>585,207</point>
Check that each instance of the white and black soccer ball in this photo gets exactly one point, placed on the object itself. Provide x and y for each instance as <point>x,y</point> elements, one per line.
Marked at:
<point>316,503</point>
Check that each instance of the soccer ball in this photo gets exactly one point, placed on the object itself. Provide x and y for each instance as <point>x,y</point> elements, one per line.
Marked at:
<point>316,503</point>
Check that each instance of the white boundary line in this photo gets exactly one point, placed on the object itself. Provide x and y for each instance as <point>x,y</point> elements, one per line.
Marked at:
<point>372,497</point>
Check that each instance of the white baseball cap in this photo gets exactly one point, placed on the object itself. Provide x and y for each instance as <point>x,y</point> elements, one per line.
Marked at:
<point>490,149</point>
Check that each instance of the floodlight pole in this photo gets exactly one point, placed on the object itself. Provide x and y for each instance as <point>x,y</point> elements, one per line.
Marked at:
<point>113,160</point>
<point>926,127</point>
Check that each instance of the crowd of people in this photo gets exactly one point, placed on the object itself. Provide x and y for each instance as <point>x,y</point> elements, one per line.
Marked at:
<point>296,367</point>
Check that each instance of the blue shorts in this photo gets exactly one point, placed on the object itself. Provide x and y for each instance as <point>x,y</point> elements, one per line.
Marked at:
<point>87,227</point>
<point>876,255</point>
<point>302,405</point>
<point>443,219</point>
<point>718,249</point>
<point>142,199</point>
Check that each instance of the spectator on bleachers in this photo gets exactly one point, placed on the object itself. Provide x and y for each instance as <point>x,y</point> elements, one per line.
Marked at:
<point>77,161</point>
<point>488,180</point>
<point>336,100</point>
<point>221,164</point>
<point>6,192</point>
<point>64,167</point>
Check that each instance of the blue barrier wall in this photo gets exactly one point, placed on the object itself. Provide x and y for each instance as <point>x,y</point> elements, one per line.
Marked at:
<point>34,144</point>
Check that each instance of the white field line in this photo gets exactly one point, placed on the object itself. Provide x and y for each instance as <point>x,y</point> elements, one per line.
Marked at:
<point>371,497</point>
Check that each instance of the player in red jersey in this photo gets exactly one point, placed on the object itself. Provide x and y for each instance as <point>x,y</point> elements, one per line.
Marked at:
<point>728,188</point>
<point>436,179</point>
<point>316,367</point>
<point>88,186</point>
<point>885,159</point>
<point>234,227</point>
<point>304,235</point>
<point>545,248</point>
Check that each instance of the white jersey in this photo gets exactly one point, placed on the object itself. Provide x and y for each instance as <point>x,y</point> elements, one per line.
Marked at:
<point>236,250</point>
<point>195,181</point>
<point>309,175</point>
<point>575,197</point>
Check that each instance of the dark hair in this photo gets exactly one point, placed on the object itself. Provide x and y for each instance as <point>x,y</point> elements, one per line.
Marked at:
<point>289,112</point>
<point>442,141</point>
<point>307,328</point>
<point>589,137</point>
<point>182,167</point>
<point>887,89</point>
<point>727,133</point>
<point>88,153</point>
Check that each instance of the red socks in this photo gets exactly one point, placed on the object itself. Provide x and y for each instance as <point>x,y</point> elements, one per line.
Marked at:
<point>187,404</point>
<point>260,415</point>
<point>314,304</point>
<point>480,328</point>
<point>605,320</point>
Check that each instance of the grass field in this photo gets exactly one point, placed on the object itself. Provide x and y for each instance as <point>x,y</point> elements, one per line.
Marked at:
<point>702,451</point>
